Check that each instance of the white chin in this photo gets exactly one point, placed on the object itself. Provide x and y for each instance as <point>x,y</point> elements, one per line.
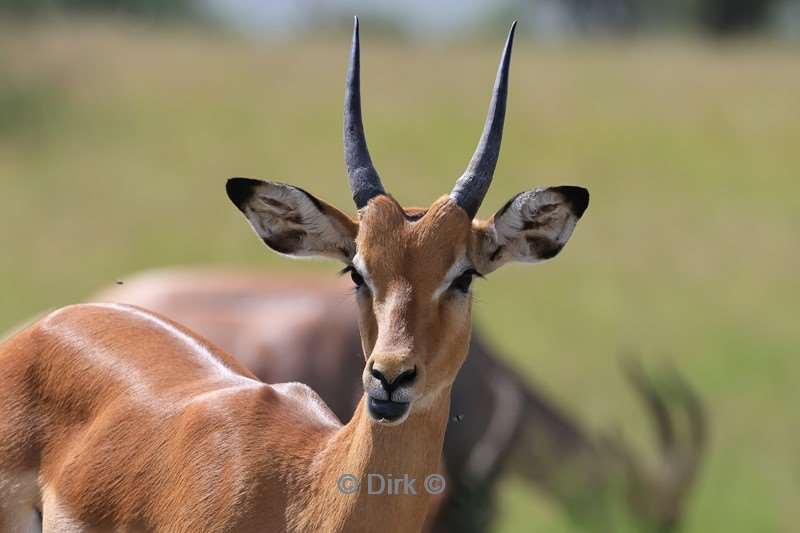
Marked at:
<point>397,422</point>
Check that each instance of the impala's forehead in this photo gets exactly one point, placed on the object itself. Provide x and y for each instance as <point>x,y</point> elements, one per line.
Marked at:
<point>415,243</point>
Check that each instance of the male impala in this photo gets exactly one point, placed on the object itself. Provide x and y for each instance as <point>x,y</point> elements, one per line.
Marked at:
<point>297,328</point>
<point>114,418</point>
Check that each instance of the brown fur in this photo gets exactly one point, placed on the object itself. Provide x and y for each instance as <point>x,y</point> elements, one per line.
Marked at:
<point>303,328</point>
<point>131,422</point>
<point>131,426</point>
<point>402,326</point>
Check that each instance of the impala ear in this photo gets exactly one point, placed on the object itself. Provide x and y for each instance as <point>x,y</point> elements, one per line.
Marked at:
<point>533,226</point>
<point>293,222</point>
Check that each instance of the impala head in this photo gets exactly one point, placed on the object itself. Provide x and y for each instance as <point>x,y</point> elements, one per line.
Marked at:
<point>412,268</point>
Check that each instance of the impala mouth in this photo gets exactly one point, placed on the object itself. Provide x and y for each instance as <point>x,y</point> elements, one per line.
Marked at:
<point>387,410</point>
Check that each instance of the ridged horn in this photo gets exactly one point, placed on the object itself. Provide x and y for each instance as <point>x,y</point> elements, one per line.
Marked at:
<point>364,180</point>
<point>471,187</point>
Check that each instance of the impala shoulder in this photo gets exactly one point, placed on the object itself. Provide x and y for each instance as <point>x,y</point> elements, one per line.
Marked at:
<point>69,322</point>
<point>88,314</point>
<point>256,399</point>
<point>306,400</point>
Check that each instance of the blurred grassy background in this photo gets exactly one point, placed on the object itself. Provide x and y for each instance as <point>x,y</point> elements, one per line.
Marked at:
<point>116,139</point>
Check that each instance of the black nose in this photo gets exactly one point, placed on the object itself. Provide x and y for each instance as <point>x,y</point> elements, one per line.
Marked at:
<point>405,378</point>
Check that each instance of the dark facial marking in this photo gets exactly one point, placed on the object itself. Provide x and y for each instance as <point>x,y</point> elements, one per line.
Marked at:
<point>463,282</point>
<point>543,248</point>
<point>286,242</point>
<point>240,190</point>
<point>496,254</point>
<point>273,203</point>
<point>413,217</point>
<point>293,217</point>
<point>576,197</point>
<point>534,224</point>
<point>313,199</point>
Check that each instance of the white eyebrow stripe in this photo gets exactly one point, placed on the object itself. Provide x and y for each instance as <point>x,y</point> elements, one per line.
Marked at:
<point>459,267</point>
<point>361,267</point>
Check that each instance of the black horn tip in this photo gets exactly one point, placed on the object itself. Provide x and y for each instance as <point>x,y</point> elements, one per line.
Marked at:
<point>240,190</point>
<point>364,180</point>
<point>472,186</point>
<point>510,41</point>
<point>576,197</point>
<point>511,32</point>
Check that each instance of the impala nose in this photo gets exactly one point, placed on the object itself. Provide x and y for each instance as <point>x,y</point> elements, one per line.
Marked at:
<point>405,378</point>
<point>387,393</point>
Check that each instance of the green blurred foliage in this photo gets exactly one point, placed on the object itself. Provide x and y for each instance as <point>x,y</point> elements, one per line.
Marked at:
<point>116,139</point>
<point>146,8</point>
<point>734,16</point>
<point>720,17</point>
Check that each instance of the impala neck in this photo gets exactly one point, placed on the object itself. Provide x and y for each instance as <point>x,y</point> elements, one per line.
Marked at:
<point>381,458</point>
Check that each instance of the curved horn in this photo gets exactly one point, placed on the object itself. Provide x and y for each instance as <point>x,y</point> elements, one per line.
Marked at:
<point>364,180</point>
<point>471,187</point>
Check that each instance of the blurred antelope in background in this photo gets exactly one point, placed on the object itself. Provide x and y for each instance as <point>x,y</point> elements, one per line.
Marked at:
<point>296,328</point>
<point>113,418</point>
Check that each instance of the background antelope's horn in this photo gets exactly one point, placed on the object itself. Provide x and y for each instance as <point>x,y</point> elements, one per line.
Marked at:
<point>471,187</point>
<point>364,180</point>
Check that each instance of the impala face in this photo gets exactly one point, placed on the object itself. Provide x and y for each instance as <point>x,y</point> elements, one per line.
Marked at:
<point>412,277</point>
<point>412,268</point>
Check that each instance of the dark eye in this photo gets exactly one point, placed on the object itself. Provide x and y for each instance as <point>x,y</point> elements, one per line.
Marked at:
<point>462,282</point>
<point>357,278</point>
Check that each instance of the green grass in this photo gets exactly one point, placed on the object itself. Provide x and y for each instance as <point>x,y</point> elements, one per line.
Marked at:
<point>115,142</point>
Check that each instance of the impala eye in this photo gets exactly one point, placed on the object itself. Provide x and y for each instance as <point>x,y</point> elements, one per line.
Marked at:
<point>358,279</point>
<point>463,282</point>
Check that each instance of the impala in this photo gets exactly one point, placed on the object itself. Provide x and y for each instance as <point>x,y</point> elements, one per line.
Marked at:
<point>297,328</point>
<point>115,418</point>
